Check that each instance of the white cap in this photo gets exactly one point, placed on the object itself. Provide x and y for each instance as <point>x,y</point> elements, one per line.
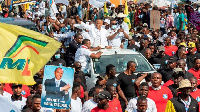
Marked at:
<point>36,7</point>
<point>112,5</point>
<point>107,21</point>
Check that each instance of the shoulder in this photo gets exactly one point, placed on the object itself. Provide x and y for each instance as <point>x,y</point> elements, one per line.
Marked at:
<point>165,88</point>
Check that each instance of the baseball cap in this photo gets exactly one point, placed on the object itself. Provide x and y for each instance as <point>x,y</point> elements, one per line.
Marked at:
<point>191,45</point>
<point>177,72</point>
<point>104,95</point>
<point>183,43</point>
<point>161,48</point>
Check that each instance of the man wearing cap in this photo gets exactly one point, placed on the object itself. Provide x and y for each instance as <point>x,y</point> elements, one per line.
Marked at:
<point>55,88</point>
<point>92,103</point>
<point>184,102</point>
<point>36,12</point>
<point>191,53</point>
<point>177,76</point>
<point>17,99</point>
<point>161,58</point>
<point>116,34</point>
<point>168,70</point>
<point>103,103</point>
<point>169,48</point>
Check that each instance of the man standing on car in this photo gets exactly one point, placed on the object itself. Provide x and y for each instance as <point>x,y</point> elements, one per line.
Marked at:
<point>83,54</point>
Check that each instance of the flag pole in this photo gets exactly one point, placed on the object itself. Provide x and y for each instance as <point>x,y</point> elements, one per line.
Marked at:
<point>120,2</point>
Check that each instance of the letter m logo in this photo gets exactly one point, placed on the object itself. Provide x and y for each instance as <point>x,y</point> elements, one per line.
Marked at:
<point>19,64</point>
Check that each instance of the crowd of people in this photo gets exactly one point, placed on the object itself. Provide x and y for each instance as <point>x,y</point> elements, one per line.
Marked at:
<point>173,50</point>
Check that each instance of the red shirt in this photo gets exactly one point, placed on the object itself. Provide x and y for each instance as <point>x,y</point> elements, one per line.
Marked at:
<point>196,73</point>
<point>171,50</point>
<point>82,91</point>
<point>160,97</point>
<point>196,95</point>
<point>116,104</point>
<point>25,90</point>
<point>112,107</point>
<point>169,82</point>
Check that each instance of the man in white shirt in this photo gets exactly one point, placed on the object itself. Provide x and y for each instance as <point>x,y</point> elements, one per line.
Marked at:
<point>143,91</point>
<point>17,99</point>
<point>116,34</point>
<point>37,12</point>
<point>76,104</point>
<point>3,93</point>
<point>83,55</point>
<point>42,7</point>
<point>97,33</point>
<point>92,103</point>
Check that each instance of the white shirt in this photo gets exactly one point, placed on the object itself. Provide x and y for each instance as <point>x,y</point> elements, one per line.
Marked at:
<point>38,13</point>
<point>18,103</point>
<point>83,56</point>
<point>57,82</point>
<point>116,41</point>
<point>76,105</point>
<point>98,37</point>
<point>42,7</point>
<point>6,95</point>
<point>89,105</point>
<point>131,107</point>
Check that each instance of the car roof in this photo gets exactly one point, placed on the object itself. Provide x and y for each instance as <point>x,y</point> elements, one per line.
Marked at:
<point>16,21</point>
<point>117,51</point>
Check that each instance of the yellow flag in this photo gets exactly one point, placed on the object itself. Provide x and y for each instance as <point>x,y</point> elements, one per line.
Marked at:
<point>105,11</point>
<point>23,53</point>
<point>127,19</point>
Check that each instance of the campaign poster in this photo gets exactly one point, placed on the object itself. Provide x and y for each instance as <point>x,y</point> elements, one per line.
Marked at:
<point>155,19</point>
<point>57,87</point>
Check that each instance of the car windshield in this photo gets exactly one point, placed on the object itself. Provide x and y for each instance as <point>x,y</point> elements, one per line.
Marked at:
<point>120,61</point>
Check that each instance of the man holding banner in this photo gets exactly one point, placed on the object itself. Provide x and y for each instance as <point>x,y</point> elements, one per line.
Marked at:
<point>55,88</point>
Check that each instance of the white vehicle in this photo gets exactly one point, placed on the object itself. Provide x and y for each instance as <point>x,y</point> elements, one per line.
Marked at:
<point>119,58</point>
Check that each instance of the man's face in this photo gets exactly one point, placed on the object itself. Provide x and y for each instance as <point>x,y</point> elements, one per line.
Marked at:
<point>101,81</point>
<point>162,53</point>
<point>39,89</point>
<point>71,23</point>
<point>17,90</point>
<point>177,80</point>
<point>148,54</point>
<point>167,41</point>
<point>112,71</point>
<point>58,74</point>
<point>88,44</point>
<point>79,39</point>
<point>133,67</point>
<point>152,49</point>
<point>181,65</point>
<point>113,23</point>
<point>183,55</point>
<point>197,64</point>
<point>142,106</point>
<point>156,80</point>
<point>102,102</point>
<point>143,91</point>
<point>98,24</point>
<point>186,91</point>
<point>178,43</point>
<point>193,83</point>
<point>172,65</point>
<point>198,48</point>
<point>36,104</point>
<point>78,67</point>
<point>191,50</point>
<point>113,91</point>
